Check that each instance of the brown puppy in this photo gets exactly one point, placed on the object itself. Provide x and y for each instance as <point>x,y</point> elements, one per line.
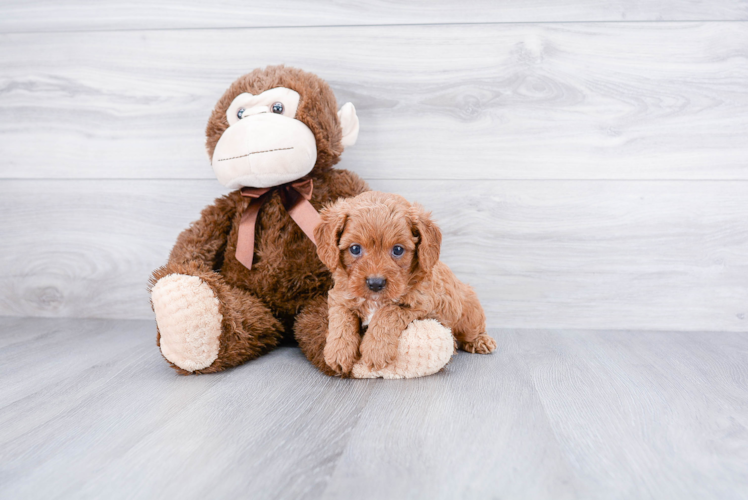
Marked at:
<point>384,255</point>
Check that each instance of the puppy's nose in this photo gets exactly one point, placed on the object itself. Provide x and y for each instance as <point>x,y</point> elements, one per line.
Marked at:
<point>376,284</point>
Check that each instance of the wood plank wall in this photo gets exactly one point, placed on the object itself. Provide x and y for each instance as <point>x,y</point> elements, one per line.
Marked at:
<point>587,160</point>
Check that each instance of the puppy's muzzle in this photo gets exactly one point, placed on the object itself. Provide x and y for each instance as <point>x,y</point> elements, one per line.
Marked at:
<point>376,284</point>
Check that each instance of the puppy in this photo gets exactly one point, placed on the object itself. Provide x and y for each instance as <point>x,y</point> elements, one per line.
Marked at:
<point>383,253</point>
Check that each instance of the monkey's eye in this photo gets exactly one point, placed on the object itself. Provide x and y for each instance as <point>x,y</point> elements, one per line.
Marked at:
<point>398,251</point>
<point>240,113</point>
<point>355,250</point>
<point>278,108</point>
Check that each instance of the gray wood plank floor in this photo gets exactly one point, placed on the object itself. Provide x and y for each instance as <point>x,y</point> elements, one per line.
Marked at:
<point>88,409</point>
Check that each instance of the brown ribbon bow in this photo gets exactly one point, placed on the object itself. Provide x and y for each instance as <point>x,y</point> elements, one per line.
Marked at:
<point>295,197</point>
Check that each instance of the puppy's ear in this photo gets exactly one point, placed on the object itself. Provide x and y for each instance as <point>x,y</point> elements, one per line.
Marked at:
<point>327,233</point>
<point>429,237</point>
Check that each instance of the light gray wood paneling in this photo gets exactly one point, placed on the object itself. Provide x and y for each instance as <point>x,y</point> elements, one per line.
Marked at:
<point>548,101</point>
<point>72,15</point>
<point>86,248</point>
<point>550,415</point>
<point>572,254</point>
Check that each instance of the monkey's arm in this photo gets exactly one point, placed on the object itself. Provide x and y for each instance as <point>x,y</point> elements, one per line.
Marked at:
<point>204,242</point>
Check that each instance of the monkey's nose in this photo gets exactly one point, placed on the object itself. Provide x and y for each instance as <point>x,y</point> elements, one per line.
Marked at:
<point>376,284</point>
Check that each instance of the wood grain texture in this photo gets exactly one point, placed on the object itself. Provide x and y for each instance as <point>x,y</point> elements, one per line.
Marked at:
<point>75,15</point>
<point>551,415</point>
<point>631,415</point>
<point>472,432</point>
<point>88,427</point>
<point>617,400</point>
<point>572,254</point>
<point>525,101</point>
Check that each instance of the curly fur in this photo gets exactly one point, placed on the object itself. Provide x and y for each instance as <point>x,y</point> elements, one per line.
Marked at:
<point>418,286</point>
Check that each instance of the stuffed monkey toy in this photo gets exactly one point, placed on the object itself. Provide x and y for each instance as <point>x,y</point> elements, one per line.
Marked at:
<point>246,274</point>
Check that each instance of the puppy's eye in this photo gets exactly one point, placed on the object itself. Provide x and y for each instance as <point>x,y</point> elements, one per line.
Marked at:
<point>398,251</point>
<point>355,250</point>
<point>240,113</point>
<point>278,108</point>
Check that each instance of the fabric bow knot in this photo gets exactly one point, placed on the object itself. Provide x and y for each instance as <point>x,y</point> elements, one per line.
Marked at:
<point>295,197</point>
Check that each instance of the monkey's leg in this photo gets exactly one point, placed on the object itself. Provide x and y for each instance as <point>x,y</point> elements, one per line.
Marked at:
<point>310,330</point>
<point>205,325</point>
<point>424,348</point>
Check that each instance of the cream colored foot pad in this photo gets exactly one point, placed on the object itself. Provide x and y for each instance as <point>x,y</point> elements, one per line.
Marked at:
<point>188,319</point>
<point>426,346</point>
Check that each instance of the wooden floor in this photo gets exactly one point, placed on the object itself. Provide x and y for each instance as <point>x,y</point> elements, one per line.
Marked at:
<point>89,409</point>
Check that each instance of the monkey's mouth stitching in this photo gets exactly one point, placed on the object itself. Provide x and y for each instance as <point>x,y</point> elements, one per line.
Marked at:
<point>254,153</point>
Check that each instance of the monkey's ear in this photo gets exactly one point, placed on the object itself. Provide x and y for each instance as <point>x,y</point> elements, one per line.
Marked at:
<point>349,124</point>
<point>328,232</point>
<point>429,237</point>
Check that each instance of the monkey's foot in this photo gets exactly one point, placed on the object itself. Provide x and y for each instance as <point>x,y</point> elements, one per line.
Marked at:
<point>188,320</point>
<point>425,347</point>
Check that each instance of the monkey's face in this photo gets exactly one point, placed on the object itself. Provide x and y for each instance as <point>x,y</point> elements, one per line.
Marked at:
<point>276,125</point>
<point>265,145</point>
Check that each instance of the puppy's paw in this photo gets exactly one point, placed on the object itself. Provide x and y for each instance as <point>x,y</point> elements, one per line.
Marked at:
<point>340,355</point>
<point>483,344</point>
<point>377,354</point>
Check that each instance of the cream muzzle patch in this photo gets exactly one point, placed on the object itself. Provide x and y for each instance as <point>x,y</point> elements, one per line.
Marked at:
<point>265,145</point>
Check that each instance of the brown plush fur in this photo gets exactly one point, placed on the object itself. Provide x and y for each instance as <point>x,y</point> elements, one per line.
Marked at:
<point>418,285</point>
<point>287,284</point>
